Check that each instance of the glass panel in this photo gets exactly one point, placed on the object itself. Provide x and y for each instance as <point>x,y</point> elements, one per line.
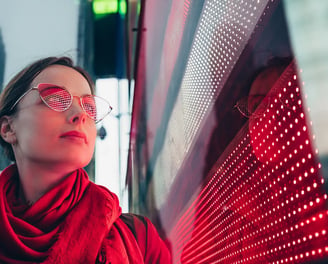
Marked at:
<point>223,158</point>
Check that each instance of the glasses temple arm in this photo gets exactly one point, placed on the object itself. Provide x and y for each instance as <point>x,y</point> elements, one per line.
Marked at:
<point>21,97</point>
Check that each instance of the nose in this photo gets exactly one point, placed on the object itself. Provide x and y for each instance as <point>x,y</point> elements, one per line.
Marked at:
<point>76,112</point>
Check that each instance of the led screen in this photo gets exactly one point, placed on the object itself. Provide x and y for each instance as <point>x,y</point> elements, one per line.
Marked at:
<point>264,201</point>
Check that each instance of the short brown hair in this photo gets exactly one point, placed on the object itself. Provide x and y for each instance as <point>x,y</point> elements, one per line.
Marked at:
<point>21,82</point>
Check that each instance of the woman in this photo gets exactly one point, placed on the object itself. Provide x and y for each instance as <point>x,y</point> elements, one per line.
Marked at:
<point>49,210</point>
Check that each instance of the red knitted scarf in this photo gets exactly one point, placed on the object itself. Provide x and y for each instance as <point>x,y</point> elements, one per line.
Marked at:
<point>66,225</point>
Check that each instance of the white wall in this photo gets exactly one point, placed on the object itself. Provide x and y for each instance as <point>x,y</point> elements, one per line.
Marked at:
<point>112,152</point>
<point>32,29</point>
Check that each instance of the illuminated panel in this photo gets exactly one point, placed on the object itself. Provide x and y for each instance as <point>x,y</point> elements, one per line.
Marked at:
<point>264,201</point>
<point>224,29</point>
<point>223,32</point>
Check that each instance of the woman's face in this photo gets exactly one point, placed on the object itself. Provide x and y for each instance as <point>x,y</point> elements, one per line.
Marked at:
<point>46,137</point>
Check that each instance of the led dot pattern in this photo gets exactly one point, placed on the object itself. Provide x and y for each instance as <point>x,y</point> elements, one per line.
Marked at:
<point>224,29</point>
<point>264,201</point>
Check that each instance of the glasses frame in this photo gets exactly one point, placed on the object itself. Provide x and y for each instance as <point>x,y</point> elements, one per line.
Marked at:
<point>243,105</point>
<point>70,104</point>
<point>267,100</point>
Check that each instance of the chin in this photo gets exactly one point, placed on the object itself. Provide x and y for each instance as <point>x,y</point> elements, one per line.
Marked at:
<point>76,161</point>
<point>82,164</point>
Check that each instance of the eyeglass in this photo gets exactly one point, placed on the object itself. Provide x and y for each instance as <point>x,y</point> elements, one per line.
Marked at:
<point>254,106</point>
<point>248,105</point>
<point>60,99</point>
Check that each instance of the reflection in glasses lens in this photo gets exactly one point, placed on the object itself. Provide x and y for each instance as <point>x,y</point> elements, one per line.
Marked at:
<point>57,98</point>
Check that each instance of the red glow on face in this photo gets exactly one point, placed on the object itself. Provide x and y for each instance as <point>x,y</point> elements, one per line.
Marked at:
<point>265,203</point>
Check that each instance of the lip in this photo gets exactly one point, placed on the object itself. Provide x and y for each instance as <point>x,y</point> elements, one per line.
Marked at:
<point>75,135</point>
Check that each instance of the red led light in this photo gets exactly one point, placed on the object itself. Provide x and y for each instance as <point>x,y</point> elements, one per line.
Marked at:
<point>264,199</point>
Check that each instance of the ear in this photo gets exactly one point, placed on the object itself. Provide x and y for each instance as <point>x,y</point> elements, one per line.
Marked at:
<point>6,130</point>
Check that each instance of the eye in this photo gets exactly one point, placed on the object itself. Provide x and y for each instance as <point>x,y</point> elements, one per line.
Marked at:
<point>56,97</point>
<point>254,101</point>
<point>89,105</point>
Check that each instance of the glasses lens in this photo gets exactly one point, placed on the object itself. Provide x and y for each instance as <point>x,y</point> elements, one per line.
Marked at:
<point>253,102</point>
<point>57,98</point>
<point>96,107</point>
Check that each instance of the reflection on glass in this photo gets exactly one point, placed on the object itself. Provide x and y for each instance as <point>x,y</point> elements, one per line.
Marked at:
<point>265,202</point>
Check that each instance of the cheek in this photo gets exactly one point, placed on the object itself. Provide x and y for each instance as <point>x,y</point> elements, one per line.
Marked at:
<point>25,127</point>
<point>35,135</point>
<point>92,135</point>
<point>35,127</point>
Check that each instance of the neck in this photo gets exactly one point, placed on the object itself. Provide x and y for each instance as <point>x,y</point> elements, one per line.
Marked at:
<point>37,180</point>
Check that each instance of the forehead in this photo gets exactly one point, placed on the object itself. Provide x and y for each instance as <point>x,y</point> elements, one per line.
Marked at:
<point>265,80</point>
<point>63,76</point>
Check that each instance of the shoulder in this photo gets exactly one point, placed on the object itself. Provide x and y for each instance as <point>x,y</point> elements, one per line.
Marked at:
<point>150,243</point>
<point>103,203</point>
<point>135,222</point>
<point>99,192</point>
